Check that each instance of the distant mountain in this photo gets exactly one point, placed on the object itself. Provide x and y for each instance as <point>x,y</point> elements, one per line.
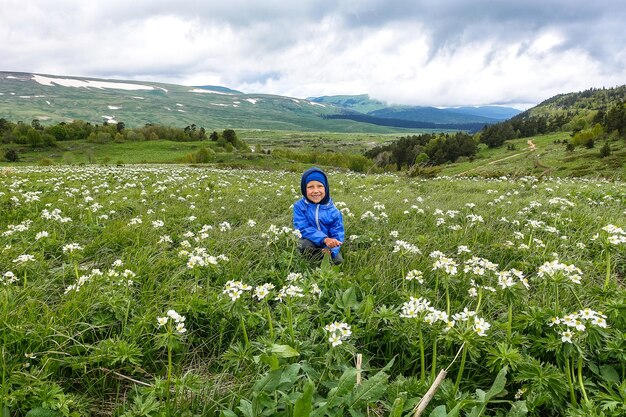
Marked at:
<point>363,104</point>
<point>491,112</point>
<point>54,98</point>
<point>360,103</point>
<point>219,89</point>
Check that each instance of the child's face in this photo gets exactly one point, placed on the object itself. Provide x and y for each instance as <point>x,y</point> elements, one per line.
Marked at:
<point>315,191</point>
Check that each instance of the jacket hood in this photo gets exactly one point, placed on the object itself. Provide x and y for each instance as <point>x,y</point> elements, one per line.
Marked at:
<point>303,182</point>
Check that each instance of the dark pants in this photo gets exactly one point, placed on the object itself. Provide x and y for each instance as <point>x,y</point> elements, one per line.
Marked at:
<point>308,249</point>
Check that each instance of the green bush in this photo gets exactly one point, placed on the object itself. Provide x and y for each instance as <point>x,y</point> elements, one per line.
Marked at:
<point>11,155</point>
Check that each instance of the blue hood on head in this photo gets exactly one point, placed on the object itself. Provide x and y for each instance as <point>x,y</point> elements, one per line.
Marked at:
<point>315,174</point>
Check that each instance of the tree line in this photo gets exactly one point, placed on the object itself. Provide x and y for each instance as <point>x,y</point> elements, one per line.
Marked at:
<point>611,122</point>
<point>425,149</point>
<point>36,135</point>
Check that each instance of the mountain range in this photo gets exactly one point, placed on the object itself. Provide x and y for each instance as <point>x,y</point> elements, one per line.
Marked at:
<point>54,98</point>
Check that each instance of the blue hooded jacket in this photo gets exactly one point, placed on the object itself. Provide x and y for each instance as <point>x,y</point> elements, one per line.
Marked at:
<point>316,222</point>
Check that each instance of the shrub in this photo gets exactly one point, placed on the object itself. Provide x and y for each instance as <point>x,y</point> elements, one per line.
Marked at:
<point>605,150</point>
<point>11,155</point>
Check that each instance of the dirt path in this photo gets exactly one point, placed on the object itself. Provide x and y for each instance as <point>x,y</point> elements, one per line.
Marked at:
<point>531,148</point>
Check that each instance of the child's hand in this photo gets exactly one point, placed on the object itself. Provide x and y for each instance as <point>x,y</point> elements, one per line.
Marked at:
<point>332,243</point>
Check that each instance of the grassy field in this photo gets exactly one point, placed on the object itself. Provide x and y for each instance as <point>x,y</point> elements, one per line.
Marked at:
<point>178,291</point>
<point>549,158</point>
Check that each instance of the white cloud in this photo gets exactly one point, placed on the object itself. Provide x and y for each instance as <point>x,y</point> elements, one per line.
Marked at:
<point>402,51</point>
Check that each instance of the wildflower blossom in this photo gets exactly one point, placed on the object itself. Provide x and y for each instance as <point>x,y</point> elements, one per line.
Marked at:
<point>294,276</point>
<point>289,291</point>
<point>480,326</point>
<point>262,291</point>
<point>71,248</point>
<point>234,289</point>
<point>414,307</point>
<point>415,275</point>
<point>8,278</point>
<point>22,259</point>
<point>339,332</point>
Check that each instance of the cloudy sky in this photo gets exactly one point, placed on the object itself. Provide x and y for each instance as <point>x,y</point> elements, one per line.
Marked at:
<point>420,52</point>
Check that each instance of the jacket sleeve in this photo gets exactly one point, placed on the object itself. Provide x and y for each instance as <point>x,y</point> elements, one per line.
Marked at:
<point>307,230</point>
<point>337,231</point>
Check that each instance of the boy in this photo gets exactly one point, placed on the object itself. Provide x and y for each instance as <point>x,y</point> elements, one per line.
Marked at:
<point>316,217</point>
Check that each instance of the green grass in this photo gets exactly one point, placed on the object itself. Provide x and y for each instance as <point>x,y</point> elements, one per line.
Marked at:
<point>101,351</point>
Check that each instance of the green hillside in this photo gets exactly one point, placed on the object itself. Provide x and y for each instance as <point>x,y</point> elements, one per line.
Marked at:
<point>52,99</point>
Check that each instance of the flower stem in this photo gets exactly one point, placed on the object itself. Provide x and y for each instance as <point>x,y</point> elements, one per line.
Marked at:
<point>460,374</point>
<point>422,357</point>
<point>570,383</point>
<point>245,333</point>
<point>580,380</point>
<point>169,378</point>
<point>608,270</point>
<point>269,321</point>
<point>510,322</point>
<point>433,369</point>
<point>447,298</point>
<point>556,299</point>
<point>290,320</point>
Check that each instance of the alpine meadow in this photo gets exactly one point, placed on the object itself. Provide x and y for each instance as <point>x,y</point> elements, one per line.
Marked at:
<point>153,269</point>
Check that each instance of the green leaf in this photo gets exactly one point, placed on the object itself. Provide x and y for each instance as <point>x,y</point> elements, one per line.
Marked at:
<point>271,360</point>
<point>518,409</point>
<point>439,411</point>
<point>370,390</point>
<point>246,409</point>
<point>456,410</point>
<point>348,298</point>
<point>304,404</point>
<point>228,413</point>
<point>397,407</point>
<point>345,385</point>
<point>498,385</point>
<point>269,382</point>
<point>289,377</point>
<point>284,351</point>
<point>609,374</point>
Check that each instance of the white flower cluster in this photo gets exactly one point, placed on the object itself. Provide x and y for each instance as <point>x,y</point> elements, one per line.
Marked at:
<point>199,257</point>
<point>415,275</point>
<point>55,215</point>
<point>578,322</point>
<point>71,248</point>
<point>506,278</point>
<point>289,291</point>
<point>561,202</point>
<point>406,247</point>
<point>262,291</point>
<point>176,318</point>
<point>274,233</point>
<point>82,280</point>
<point>448,265</point>
<point>22,259</point>
<point>617,234</point>
<point>14,228</point>
<point>234,289</point>
<point>480,326</point>
<point>339,332</point>
<point>416,306</point>
<point>478,266</point>
<point>8,278</point>
<point>294,276</point>
<point>554,268</point>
